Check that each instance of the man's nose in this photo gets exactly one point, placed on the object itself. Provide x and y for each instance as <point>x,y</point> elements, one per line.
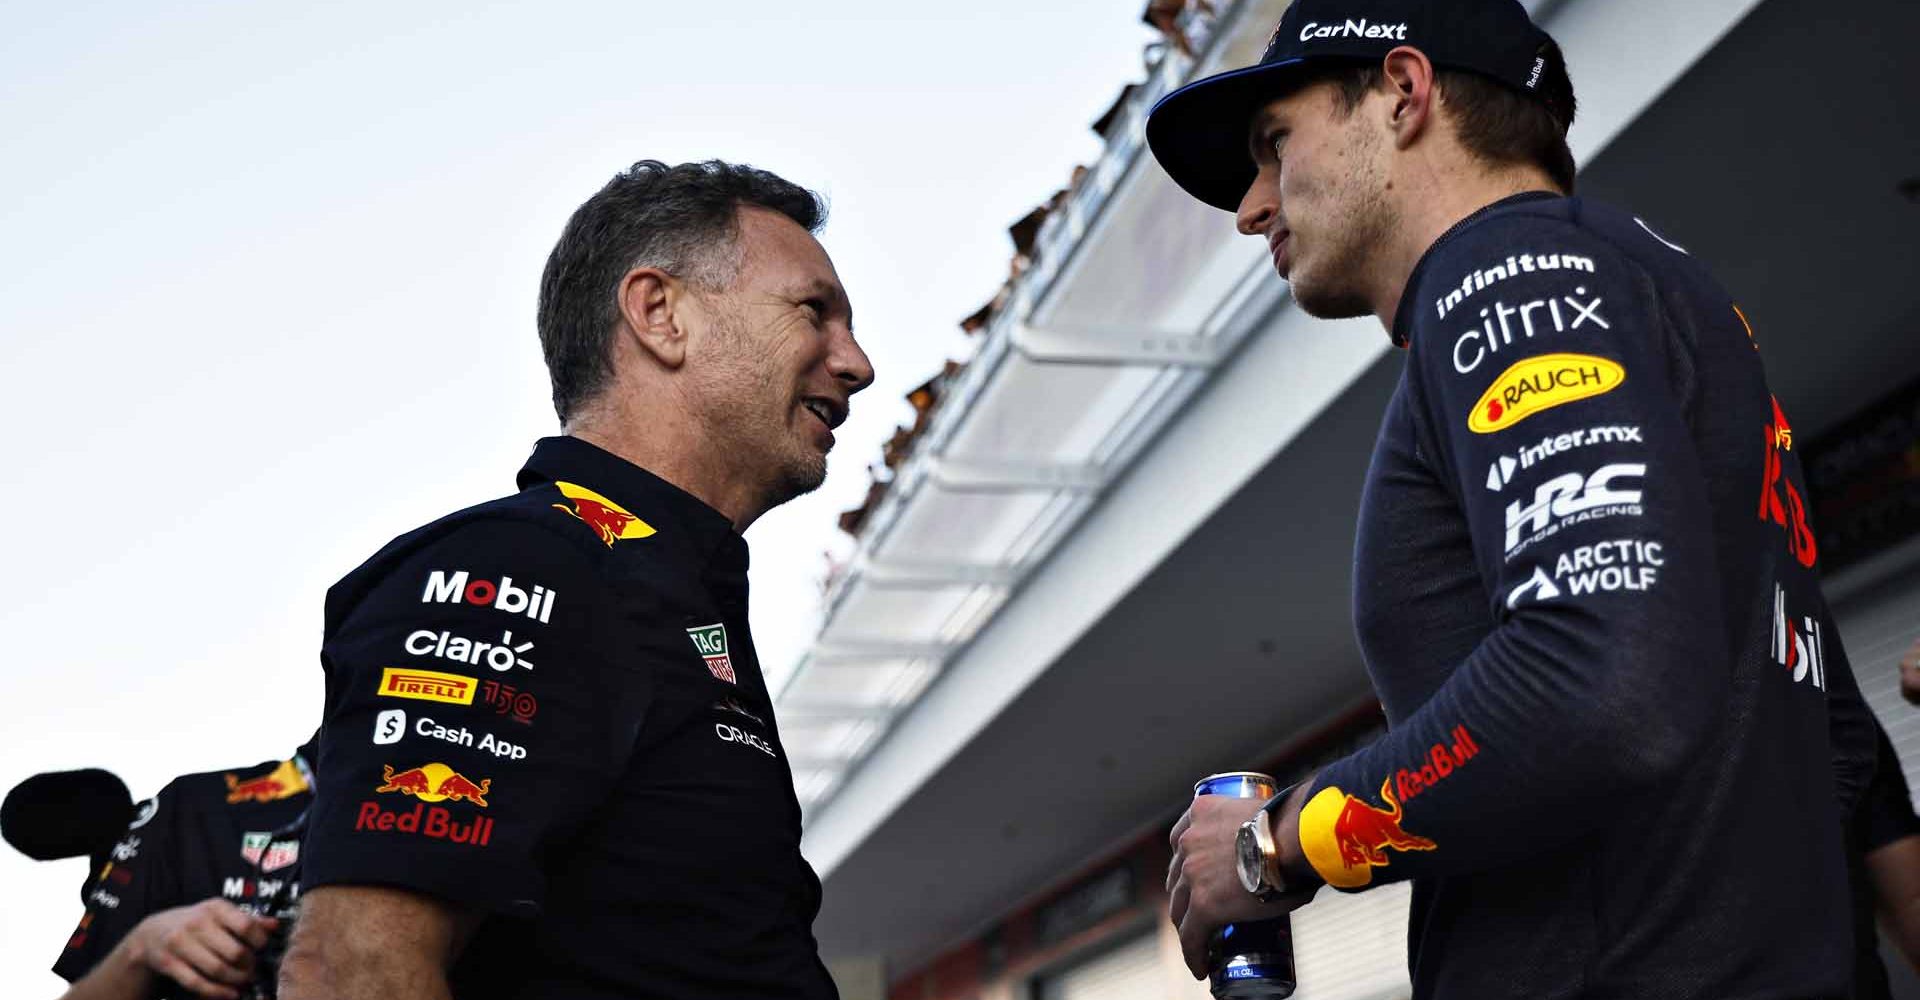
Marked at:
<point>849,363</point>
<point>1258,207</point>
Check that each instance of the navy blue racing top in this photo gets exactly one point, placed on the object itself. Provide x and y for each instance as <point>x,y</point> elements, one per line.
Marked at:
<point>1624,734</point>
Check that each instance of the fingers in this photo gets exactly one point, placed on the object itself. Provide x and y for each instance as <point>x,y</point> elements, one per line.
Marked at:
<point>1179,901</point>
<point>1193,946</point>
<point>181,971</point>
<point>217,956</point>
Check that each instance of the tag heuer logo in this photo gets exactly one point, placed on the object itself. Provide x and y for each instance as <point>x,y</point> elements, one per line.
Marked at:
<point>711,641</point>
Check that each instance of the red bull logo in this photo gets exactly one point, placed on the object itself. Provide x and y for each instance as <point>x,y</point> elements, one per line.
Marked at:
<point>435,782</point>
<point>1346,838</point>
<point>282,782</point>
<point>424,821</point>
<point>608,520</point>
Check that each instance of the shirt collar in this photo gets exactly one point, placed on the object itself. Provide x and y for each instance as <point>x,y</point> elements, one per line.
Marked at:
<point>672,511</point>
<point>1402,332</point>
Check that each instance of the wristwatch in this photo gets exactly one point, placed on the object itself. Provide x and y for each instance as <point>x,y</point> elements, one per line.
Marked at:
<point>1258,855</point>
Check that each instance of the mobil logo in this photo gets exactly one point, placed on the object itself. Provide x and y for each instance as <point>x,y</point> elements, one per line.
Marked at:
<point>457,587</point>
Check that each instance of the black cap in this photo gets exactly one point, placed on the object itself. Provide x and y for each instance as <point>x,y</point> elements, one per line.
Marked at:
<point>1199,132</point>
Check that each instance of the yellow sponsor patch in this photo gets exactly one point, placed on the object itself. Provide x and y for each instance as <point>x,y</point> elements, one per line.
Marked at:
<point>426,685</point>
<point>1346,838</point>
<point>608,520</point>
<point>1539,384</point>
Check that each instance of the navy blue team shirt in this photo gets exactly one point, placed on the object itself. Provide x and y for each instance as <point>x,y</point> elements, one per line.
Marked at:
<point>1624,734</point>
<point>547,708</point>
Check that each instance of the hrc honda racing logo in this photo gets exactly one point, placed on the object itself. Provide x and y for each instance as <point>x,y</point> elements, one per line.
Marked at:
<point>1571,499</point>
<point>453,588</point>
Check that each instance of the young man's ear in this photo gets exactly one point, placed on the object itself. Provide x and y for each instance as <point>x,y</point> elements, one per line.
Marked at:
<point>654,307</point>
<point>1409,77</point>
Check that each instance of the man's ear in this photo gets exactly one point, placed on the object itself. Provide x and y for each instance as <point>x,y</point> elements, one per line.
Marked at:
<point>655,307</point>
<point>1408,78</point>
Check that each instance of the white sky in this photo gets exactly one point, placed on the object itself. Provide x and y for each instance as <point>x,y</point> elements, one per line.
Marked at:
<point>269,278</point>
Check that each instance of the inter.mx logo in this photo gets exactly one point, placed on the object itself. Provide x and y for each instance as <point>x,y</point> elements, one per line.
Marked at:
<point>1572,499</point>
<point>1501,471</point>
<point>452,588</point>
<point>711,641</point>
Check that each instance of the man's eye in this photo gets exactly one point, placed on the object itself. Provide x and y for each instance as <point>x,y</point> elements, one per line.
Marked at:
<point>1279,139</point>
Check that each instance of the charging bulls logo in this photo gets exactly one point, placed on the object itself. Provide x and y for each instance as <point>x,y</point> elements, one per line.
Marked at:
<point>1780,499</point>
<point>435,782</point>
<point>608,520</point>
<point>282,782</point>
<point>1346,838</point>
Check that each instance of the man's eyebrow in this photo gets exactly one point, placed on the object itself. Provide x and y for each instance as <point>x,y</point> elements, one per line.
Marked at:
<point>822,288</point>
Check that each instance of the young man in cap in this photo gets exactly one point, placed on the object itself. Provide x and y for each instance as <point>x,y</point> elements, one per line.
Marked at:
<point>1624,733</point>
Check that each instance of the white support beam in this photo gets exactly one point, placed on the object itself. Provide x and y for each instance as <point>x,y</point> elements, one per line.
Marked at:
<point>1117,348</point>
<point>835,711</point>
<point>957,475</point>
<point>915,575</point>
<point>841,652</point>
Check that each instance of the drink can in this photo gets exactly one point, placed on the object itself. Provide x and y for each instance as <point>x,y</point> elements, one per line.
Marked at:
<point>1249,961</point>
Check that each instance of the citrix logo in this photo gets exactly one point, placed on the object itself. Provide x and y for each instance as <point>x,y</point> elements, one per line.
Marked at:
<point>1486,340</point>
<point>452,588</point>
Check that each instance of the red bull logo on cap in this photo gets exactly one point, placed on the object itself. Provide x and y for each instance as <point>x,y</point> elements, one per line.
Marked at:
<point>1345,838</point>
<point>435,782</point>
<point>609,520</point>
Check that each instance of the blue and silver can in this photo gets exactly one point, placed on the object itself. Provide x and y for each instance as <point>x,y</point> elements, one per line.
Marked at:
<point>1251,961</point>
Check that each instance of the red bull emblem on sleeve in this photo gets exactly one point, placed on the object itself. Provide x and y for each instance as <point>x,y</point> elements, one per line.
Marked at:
<point>608,520</point>
<point>435,782</point>
<point>1345,838</point>
<point>711,641</point>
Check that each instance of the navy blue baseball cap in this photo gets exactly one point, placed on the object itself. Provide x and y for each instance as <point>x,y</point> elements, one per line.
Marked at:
<point>1199,132</point>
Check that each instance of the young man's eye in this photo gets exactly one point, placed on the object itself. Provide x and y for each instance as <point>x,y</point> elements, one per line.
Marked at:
<point>1275,142</point>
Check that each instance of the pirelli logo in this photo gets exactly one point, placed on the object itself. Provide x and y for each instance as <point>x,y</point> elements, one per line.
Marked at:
<point>426,685</point>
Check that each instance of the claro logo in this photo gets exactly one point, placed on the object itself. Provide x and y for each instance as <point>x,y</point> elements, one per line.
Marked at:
<point>1539,384</point>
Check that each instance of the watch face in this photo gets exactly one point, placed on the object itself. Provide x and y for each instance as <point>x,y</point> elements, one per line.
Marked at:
<point>1250,860</point>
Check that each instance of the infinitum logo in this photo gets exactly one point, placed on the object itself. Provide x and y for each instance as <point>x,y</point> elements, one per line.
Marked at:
<point>1525,263</point>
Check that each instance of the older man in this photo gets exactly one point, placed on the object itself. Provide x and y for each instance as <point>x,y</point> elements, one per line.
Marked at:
<point>1624,732</point>
<point>549,766</point>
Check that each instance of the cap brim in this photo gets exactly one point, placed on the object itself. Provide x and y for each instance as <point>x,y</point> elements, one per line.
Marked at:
<point>1199,132</point>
